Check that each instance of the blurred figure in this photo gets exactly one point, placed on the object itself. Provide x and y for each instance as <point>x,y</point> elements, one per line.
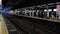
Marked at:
<point>58,11</point>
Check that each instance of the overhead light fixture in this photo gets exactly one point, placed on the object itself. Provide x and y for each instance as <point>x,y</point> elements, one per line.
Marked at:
<point>43,5</point>
<point>51,4</point>
<point>55,10</point>
<point>39,6</point>
<point>58,3</point>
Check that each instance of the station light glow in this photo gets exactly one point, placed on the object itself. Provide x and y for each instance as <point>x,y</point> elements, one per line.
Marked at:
<point>0,1</point>
<point>45,10</point>
<point>50,10</point>
<point>55,10</point>
<point>4,11</point>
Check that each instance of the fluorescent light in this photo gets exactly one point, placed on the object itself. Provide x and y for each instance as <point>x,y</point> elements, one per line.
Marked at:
<point>58,3</point>
<point>55,10</point>
<point>51,4</point>
<point>50,10</point>
<point>0,2</point>
<point>45,10</point>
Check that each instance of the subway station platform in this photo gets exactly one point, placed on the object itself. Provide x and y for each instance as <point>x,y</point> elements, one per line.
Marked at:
<point>6,27</point>
<point>3,28</point>
<point>30,17</point>
<point>14,24</point>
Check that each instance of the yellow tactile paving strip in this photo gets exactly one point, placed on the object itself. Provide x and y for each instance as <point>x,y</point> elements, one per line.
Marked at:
<point>3,28</point>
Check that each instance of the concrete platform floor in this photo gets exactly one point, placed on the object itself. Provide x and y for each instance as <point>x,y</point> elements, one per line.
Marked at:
<point>3,28</point>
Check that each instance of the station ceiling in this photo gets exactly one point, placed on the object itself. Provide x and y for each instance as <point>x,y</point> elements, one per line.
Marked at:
<point>26,3</point>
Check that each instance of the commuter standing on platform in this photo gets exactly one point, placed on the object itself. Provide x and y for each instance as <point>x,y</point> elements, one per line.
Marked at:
<point>58,11</point>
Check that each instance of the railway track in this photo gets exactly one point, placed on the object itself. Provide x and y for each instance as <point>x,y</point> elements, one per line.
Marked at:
<point>32,26</point>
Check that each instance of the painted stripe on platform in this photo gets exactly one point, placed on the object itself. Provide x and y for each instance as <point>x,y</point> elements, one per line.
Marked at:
<point>3,28</point>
